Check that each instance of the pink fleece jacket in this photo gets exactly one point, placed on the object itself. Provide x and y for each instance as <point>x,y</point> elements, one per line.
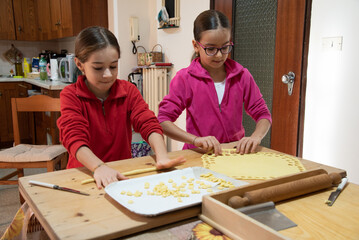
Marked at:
<point>193,89</point>
<point>104,127</point>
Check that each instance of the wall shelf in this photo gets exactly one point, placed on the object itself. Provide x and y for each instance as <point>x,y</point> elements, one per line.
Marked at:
<point>168,27</point>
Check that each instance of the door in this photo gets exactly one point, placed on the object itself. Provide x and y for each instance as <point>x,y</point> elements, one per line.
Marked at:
<point>7,27</point>
<point>44,23</point>
<point>291,33</point>
<point>25,13</point>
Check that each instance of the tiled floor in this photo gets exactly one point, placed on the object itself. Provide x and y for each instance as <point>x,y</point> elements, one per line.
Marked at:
<point>9,198</point>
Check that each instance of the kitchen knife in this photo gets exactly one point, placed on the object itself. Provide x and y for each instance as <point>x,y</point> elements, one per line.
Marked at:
<point>333,196</point>
<point>53,186</point>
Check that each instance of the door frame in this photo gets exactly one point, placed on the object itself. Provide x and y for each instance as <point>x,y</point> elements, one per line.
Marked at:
<point>226,6</point>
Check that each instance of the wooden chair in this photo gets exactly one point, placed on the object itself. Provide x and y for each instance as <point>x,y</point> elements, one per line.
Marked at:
<point>31,156</point>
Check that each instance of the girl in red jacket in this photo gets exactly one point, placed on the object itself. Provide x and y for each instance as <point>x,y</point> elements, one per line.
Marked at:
<point>99,111</point>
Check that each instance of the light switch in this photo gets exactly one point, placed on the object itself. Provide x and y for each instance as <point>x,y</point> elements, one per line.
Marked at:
<point>332,43</point>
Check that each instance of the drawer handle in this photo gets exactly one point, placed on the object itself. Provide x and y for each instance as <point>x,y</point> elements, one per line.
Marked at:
<point>23,86</point>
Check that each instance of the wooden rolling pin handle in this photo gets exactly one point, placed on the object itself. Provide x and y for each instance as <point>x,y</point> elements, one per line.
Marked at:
<point>336,178</point>
<point>237,202</point>
<point>285,190</point>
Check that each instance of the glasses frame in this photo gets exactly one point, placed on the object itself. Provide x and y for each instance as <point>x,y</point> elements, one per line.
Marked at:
<point>218,49</point>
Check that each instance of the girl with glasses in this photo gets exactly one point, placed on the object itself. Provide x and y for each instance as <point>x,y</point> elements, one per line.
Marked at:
<point>214,90</point>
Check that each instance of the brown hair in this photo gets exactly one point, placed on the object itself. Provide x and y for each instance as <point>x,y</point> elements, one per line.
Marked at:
<point>209,20</point>
<point>92,39</point>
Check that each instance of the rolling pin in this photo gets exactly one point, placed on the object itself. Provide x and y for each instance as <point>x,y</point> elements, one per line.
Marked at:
<point>285,190</point>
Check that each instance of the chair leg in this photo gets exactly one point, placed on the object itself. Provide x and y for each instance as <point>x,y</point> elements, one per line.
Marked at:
<point>20,172</point>
<point>50,165</point>
<point>63,162</point>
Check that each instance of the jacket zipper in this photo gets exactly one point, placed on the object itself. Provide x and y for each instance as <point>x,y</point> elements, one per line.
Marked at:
<point>103,108</point>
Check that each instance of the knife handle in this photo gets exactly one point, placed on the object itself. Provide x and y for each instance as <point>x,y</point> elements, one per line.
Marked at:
<point>49,185</point>
<point>342,184</point>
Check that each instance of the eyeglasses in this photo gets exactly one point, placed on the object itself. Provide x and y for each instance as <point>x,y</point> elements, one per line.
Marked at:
<point>211,51</point>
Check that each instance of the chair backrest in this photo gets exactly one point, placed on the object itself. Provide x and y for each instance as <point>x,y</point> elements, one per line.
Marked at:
<point>36,103</point>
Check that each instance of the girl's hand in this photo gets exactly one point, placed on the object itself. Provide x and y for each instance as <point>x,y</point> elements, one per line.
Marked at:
<point>168,163</point>
<point>248,144</point>
<point>104,175</point>
<point>208,143</point>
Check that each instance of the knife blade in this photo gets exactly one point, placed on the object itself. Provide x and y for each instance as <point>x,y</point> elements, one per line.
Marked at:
<point>334,195</point>
<point>57,187</point>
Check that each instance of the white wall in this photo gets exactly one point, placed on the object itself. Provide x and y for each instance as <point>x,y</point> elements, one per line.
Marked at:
<point>177,45</point>
<point>120,12</point>
<point>331,128</point>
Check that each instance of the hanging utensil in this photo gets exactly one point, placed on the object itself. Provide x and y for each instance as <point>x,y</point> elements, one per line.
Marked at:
<point>12,54</point>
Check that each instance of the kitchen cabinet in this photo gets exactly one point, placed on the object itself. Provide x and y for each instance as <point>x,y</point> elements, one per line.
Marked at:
<point>7,26</point>
<point>66,18</point>
<point>34,20</point>
<point>10,90</point>
<point>25,20</point>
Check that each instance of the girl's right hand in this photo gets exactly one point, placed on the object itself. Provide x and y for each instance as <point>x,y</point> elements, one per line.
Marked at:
<point>208,143</point>
<point>104,175</point>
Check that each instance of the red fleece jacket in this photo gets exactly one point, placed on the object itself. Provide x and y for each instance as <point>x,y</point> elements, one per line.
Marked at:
<point>105,127</point>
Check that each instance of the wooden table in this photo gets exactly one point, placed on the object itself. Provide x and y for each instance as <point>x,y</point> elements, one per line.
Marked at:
<point>71,216</point>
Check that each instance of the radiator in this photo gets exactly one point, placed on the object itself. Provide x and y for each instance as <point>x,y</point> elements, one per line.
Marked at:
<point>155,86</point>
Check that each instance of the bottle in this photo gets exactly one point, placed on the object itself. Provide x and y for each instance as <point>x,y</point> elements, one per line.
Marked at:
<point>27,68</point>
<point>18,67</point>
<point>42,66</point>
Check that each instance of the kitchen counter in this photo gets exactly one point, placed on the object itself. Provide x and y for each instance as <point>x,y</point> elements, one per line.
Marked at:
<point>47,84</point>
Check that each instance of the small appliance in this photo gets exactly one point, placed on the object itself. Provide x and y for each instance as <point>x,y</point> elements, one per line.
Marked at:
<point>67,69</point>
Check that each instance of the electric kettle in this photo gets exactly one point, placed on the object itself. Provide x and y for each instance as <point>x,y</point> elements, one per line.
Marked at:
<point>67,69</point>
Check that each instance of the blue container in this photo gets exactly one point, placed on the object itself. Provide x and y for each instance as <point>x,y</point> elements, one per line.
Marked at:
<point>35,64</point>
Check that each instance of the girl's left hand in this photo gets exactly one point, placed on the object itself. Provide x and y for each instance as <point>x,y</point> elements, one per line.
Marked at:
<point>248,144</point>
<point>168,163</point>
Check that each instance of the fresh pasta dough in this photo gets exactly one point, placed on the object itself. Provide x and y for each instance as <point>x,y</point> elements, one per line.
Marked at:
<point>260,165</point>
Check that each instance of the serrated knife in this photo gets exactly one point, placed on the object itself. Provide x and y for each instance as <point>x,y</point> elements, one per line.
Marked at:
<point>333,196</point>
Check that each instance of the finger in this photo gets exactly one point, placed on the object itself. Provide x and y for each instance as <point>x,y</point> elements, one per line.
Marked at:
<point>107,181</point>
<point>254,147</point>
<point>204,145</point>
<point>248,146</point>
<point>121,176</point>
<point>98,184</point>
<point>217,148</point>
<point>242,147</point>
<point>239,146</point>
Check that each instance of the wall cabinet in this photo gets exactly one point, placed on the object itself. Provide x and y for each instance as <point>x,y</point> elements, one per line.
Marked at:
<point>25,20</point>
<point>7,27</point>
<point>10,90</point>
<point>66,18</point>
<point>34,20</point>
